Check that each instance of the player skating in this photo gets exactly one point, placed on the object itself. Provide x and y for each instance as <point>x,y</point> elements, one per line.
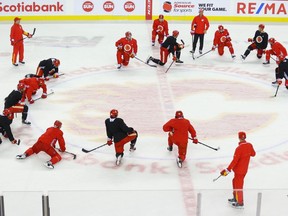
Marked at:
<point>160,29</point>
<point>16,39</point>
<point>277,49</point>
<point>239,165</point>
<point>126,48</point>
<point>170,45</point>
<point>47,143</point>
<point>259,42</point>
<point>13,101</point>
<point>119,133</point>
<point>5,121</point>
<point>222,39</point>
<point>178,129</point>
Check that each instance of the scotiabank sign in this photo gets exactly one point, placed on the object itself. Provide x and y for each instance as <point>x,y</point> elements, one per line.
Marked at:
<point>271,8</point>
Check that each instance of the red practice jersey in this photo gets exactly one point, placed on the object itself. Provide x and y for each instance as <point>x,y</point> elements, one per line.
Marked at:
<point>200,24</point>
<point>221,37</point>
<point>128,46</point>
<point>162,27</point>
<point>16,33</point>
<point>180,128</point>
<point>51,136</point>
<point>241,158</point>
<point>32,86</point>
<point>279,50</point>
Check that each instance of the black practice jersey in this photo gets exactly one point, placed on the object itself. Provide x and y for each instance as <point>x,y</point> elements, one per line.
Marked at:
<point>12,99</point>
<point>117,129</point>
<point>261,43</point>
<point>5,126</point>
<point>170,44</point>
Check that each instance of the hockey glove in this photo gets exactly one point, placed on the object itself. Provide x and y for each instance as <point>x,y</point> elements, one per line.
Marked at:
<point>225,172</point>
<point>174,58</point>
<point>44,95</point>
<point>109,142</point>
<point>14,141</point>
<point>195,140</point>
<point>279,81</point>
<point>214,47</point>
<point>192,32</point>
<point>29,35</point>
<point>12,42</point>
<point>31,101</point>
<point>250,39</point>
<point>132,55</point>
<point>56,75</point>
<point>119,47</point>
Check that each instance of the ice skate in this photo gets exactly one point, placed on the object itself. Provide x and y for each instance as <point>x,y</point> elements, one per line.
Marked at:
<point>15,64</point>
<point>200,52</point>
<point>233,200</point>
<point>179,162</point>
<point>233,56</point>
<point>153,43</point>
<point>49,165</point>
<point>21,156</point>
<point>243,57</point>
<point>179,61</point>
<point>266,63</point>
<point>132,147</point>
<point>170,148</point>
<point>274,83</point>
<point>119,66</point>
<point>118,159</point>
<point>237,205</point>
<point>22,62</point>
<point>26,122</point>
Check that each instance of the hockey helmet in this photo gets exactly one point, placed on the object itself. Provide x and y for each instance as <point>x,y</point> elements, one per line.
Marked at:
<point>161,17</point>
<point>56,62</point>
<point>242,135</point>
<point>16,19</point>
<point>262,26</point>
<point>128,35</point>
<point>179,114</point>
<point>58,124</point>
<point>271,40</point>
<point>21,87</point>
<point>113,113</point>
<point>220,28</point>
<point>175,33</point>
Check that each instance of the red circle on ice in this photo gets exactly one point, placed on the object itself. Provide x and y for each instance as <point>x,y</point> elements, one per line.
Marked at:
<point>88,6</point>
<point>129,6</point>
<point>108,6</point>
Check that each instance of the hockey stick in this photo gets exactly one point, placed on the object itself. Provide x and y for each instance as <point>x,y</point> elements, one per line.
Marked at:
<point>74,155</point>
<point>169,67</point>
<point>216,149</point>
<point>204,54</point>
<point>34,30</point>
<point>144,62</point>
<point>87,151</point>
<point>276,90</point>
<point>217,178</point>
<point>52,92</point>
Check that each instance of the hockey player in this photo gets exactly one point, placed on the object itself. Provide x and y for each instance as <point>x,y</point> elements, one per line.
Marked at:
<point>199,27</point>
<point>119,133</point>
<point>13,101</point>
<point>160,28</point>
<point>222,39</point>
<point>16,39</point>
<point>169,46</point>
<point>126,48</point>
<point>282,72</point>
<point>259,42</point>
<point>32,85</point>
<point>239,165</point>
<point>47,143</point>
<point>48,67</point>
<point>178,129</point>
<point>5,122</point>
<point>277,49</point>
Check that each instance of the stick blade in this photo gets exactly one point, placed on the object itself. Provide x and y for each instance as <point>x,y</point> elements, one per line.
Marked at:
<point>85,150</point>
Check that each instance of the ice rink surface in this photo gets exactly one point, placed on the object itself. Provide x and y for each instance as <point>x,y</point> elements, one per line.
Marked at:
<point>218,95</point>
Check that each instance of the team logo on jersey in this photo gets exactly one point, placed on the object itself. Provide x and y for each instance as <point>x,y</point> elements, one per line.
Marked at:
<point>160,28</point>
<point>88,6</point>
<point>259,39</point>
<point>223,39</point>
<point>127,47</point>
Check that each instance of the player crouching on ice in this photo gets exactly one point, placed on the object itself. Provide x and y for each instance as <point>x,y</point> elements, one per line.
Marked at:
<point>169,46</point>
<point>282,72</point>
<point>46,143</point>
<point>32,85</point>
<point>120,133</point>
<point>178,129</point>
<point>5,122</point>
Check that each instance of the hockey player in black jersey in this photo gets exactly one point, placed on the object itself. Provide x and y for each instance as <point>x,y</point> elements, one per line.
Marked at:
<point>169,46</point>
<point>48,67</point>
<point>5,122</point>
<point>259,42</point>
<point>282,72</point>
<point>13,102</point>
<point>120,133</point>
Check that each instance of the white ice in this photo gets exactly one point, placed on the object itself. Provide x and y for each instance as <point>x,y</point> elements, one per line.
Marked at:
<point>220,97</point>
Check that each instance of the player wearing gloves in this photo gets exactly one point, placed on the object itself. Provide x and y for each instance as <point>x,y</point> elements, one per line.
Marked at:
<point>199,27</point>
<point>239,165</point>
<point>259,42</point>
<point>5,122</point>
<point>32,85</point>
<point>126,48</point>
<point>178,129</point>
<point>282,72</point>
<point>13,101</point>
<point>16,39</point>
<point>160,29</point>
<point>119,133</point>
<point>277,49</point>
<point>48,67</point>
<point>222,39</point>
<point>47,143</point>
<point>169,46</point>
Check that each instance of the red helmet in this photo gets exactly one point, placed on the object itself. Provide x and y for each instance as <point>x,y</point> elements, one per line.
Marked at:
<point>262,26</point>
<point>21,87</point>
<point>128,35</point>
<point>242,135</point>
<point>271,40</point>
<point>179,114</point>
<point>56,62</point>
<point>58,124</point>
<point>41,81</point>
<point>113,113</point>
<point>16,19</point>
<point>175,33</point>
<point>220,28</point>
<point>161,16</point>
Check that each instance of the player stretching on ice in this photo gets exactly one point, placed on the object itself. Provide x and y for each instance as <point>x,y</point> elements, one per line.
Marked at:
<point>277,49</point>
<point>32,85</point>
<point>282,72</point>
<point>5,122</point>
<point>120,133</point>
<point>160,29</point>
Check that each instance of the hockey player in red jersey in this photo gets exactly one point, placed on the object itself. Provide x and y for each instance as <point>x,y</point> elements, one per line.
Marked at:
<point>119,133</point>
<point>48,67</point>
<point>277,49</point>
<point>126,48</point>
<point>178,129</point>
<point>13,102</point>
<point>32,85</point>
<point>239,165</point>
<point>222,39</point>
<point>160,29</point>
<point>259,42</point>
<point>16,39</point>
<point>47,143</point>
<point>169,46</point>
<point>5,122</point>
